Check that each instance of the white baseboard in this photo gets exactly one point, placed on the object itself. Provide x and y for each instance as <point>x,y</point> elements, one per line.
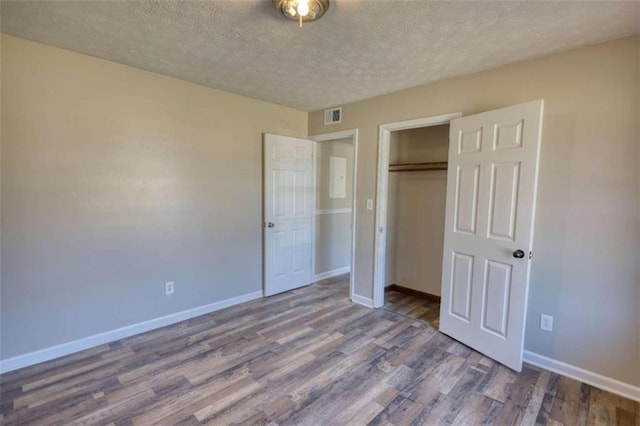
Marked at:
<point>364,301</point>
<point>331,274</point>
<point>57,351</point>
<point>589,377</point>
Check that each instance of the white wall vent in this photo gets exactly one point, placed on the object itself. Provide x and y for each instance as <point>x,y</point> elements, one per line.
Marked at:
<point>333,116</point>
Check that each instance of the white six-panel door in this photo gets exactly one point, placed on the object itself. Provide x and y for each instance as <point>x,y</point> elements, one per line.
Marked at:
<point>288,213</point>
<point>491,193</point>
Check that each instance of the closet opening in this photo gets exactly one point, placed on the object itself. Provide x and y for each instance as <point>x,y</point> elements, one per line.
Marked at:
<point>410,212</point>
<point>416,197</point>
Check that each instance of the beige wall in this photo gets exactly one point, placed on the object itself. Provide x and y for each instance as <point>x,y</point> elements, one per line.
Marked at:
<point>324,151</point>
<point>586,245</point>
<point>416,210</point>
<point>116,180</point>
<point>425,144</point>
<point>333,242</point>
<point>333,230</point>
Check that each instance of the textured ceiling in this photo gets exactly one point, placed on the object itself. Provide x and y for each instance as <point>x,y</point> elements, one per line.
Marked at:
<point>358,50</point>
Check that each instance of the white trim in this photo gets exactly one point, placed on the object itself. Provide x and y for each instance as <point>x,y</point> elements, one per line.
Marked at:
<point>589,377</point>
<point>364,301</point>
<point>333,211</point>
<point>380,245</point>
<point>314,179</point>
<point>344,134</point>
<point>63,349</point>
<point>331,274</point>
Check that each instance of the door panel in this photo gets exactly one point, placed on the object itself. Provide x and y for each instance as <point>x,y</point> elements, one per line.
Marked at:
<point>288,212</point>
<point>497,283</point>
<point>461,286</point>
<point>508,135</point>
<point>467,198</point>
<point>490,214</point>
<point>301,187</point>
<point>279,204</point>
<point>279,243</point>
<point>505,179</point>
<point>470,141</point>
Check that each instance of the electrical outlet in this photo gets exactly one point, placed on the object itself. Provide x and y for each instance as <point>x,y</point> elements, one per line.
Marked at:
<point>546,322</point>
<point>168,288</point>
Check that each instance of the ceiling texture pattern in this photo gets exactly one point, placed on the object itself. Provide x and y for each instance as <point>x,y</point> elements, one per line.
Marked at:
<point>358,50</point>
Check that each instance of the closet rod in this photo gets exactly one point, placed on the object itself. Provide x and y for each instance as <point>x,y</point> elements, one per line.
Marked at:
<point>418,167</point>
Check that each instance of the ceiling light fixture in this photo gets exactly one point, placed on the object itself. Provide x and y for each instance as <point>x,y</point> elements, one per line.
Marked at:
<point>302,10</point>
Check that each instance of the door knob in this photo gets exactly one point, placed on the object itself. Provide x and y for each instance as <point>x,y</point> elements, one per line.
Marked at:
<point>518,254</point>
<point>271,225</point>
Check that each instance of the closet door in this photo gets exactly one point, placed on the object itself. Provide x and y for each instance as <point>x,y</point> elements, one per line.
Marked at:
<point>491,193</point>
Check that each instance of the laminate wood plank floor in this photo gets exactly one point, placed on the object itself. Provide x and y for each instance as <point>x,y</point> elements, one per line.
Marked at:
<point>413,307</point>
<point>308,356</point>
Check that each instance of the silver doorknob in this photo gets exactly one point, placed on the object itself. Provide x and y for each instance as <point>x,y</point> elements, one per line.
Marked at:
<point>518,254</point>
<point>271,224</point>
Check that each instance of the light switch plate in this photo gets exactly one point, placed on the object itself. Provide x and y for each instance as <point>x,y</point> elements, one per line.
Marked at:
<point>546,322</point>
<point>369,204</point>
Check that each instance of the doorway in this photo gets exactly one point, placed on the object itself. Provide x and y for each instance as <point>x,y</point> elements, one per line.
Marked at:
<point>418,160</point>
<point>382,196</point>
<point>335,171</point>
<point>291,209</point>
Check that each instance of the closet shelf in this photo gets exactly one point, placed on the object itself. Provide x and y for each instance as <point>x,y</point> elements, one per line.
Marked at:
<point>418,167</point>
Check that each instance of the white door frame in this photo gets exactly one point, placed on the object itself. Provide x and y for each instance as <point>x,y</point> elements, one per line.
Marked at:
<point>382,193</point>
<point>325,137</point>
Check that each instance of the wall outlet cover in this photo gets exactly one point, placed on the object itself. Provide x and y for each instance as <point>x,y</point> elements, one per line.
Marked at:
<point>168,288</point>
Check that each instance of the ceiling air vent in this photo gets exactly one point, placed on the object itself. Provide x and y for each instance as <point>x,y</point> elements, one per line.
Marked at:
<point>333,116</point>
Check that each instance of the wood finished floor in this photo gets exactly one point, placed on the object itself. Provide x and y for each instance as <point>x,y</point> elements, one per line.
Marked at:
<point>305,357</point>
<point>412,307</point>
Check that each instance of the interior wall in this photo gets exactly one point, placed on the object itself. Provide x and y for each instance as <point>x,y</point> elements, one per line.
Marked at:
<point>424,144</point>
<point>333,215</point>
<point>585,262</point>
<point>115,181</point>
<point>416,210</point>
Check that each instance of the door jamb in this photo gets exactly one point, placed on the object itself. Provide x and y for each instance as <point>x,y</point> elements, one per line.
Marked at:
<point>324,137</point>
<point>382,192</point>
